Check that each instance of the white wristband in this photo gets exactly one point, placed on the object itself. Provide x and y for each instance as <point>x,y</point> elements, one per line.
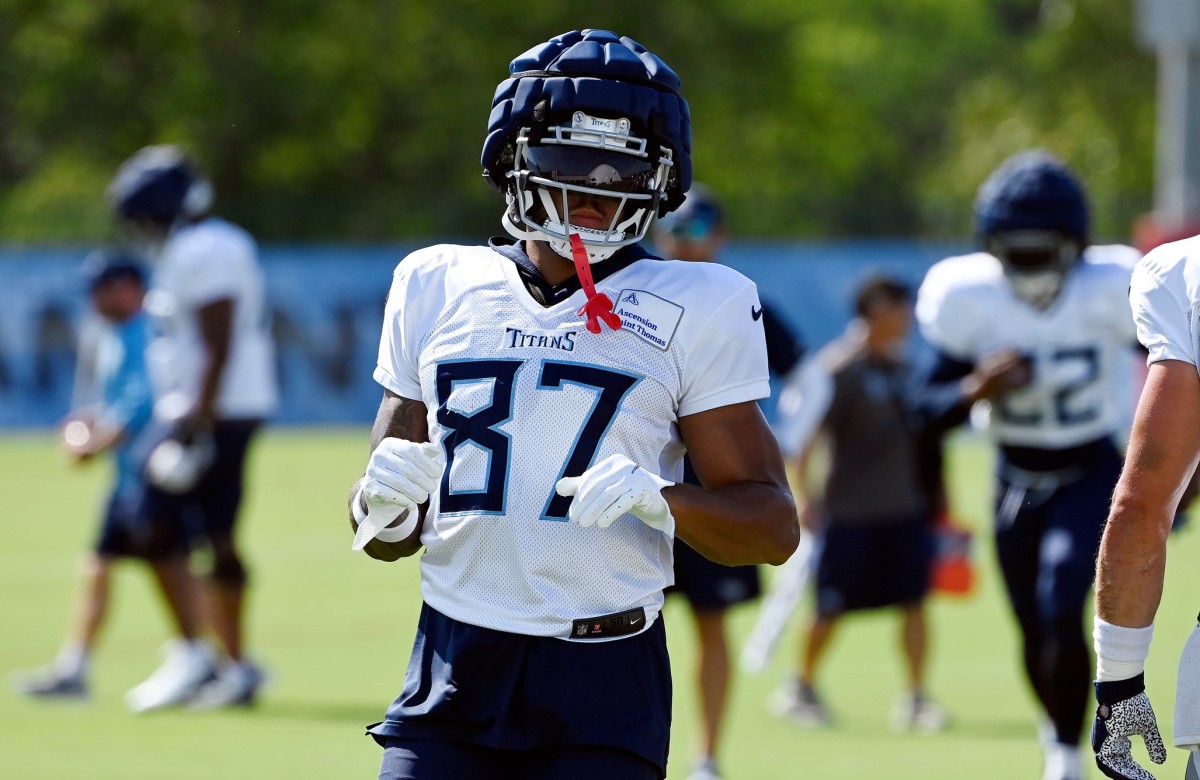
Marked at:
<point>387,534</point>
<point>1120,651</point>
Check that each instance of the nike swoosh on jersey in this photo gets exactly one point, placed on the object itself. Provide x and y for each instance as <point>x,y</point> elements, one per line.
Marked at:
<point>756,313</point>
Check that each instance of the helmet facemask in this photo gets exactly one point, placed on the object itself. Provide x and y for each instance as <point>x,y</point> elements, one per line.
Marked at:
<point>1036,262</point>
<point>591,158</point>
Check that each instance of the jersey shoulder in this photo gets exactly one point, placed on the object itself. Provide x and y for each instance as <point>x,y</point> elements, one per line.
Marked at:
<point>452,266</point>
<point>700,284</point>
<point>972,274</point>
<point>212,238</point>
<point>1170,261</point>
<point>1112,255</point>
<point>1104,272</point>
<point>959,300</point>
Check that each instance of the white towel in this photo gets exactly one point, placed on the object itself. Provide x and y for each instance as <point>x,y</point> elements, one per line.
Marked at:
<point>1187,695</point>
<point>785,592</point>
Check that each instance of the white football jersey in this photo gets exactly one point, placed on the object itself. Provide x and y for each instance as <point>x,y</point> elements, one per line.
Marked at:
<point>198,264</point>
<point>1165,297</point>
<point>520,395</point>
<point>1080,346</point>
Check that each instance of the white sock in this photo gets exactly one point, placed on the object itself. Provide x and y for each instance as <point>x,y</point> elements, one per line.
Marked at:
<point>72,660</point>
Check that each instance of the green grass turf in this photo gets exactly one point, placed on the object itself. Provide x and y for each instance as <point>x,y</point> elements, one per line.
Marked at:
<point>335,629</point>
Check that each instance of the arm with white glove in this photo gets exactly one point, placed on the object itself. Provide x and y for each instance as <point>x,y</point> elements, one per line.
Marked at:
<point>744,513</point>
<point>387,505</point>
<point>1123,708</point>
<point>613,487</point>
<point>1131,566</point>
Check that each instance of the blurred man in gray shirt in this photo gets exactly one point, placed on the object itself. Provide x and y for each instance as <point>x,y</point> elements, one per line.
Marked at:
<point>873,512</point>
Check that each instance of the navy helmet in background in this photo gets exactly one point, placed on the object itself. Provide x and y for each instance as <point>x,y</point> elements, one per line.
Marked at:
<point>159,185</point>
<point>1032,215</point>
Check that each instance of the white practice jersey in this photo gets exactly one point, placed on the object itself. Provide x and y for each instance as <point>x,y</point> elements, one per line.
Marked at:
<point>1165,298</point>
<point>1080,346</point>
<point>199,264</point>
<point>520,395</point>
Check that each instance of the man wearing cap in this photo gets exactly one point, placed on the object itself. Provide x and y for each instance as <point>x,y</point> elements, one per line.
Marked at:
<point>118,424</point>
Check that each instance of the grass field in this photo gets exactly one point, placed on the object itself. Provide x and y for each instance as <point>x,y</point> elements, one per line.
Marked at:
<point>335,629</point>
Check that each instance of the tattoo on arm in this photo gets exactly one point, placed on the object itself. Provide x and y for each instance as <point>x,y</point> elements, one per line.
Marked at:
<point>400,418</point>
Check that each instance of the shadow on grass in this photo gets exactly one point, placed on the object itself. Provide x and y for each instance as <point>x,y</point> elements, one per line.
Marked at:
<point>355,713</point>
<point>995,728</point>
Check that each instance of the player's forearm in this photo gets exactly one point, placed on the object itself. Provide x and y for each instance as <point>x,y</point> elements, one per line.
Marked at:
<point>742,523</point>
<point>216,331</point>
<point>210,383</point>
<point>1132,561</point>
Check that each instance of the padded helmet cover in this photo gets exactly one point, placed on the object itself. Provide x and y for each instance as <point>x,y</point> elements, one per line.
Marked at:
<point>600,73</point>
<point>1032,190</point>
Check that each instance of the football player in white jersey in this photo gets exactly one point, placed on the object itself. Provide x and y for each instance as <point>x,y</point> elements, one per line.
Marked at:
<point>540,395</point>
<point>1045,314</point>
<point>1163,451</point>
<point>213,369</point>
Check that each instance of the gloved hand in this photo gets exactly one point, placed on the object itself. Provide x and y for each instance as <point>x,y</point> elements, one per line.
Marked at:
<point>1124,711</point>
<point>613,487</point>
<point>400,476</point>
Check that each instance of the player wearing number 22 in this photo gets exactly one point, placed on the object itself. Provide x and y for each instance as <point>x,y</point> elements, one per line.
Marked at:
<point>539,396</point>
<point>1038,327</point>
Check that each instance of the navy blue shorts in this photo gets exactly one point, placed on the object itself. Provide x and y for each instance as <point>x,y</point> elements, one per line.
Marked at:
<point>423,760</point>
<point>709,586</point>
<point>871,566</point>
<point>129,532</point>
<point>210,509</point>
<point>519,695</point>
<point>1047,539</point>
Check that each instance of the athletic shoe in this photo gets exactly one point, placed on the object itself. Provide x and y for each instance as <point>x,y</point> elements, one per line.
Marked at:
<point>185,667</point>
<point>51,684</point>
<point>236,685</point>
<point>800,703</point>
<point>705,770</point>
<point>914,712</point>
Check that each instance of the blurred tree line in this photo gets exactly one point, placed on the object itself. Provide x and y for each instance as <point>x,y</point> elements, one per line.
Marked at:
<point>362,120</point>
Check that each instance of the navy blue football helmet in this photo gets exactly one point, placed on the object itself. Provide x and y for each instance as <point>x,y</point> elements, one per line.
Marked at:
<point>1032,215</point>
<point>593,114</point>
<point>159,185</point>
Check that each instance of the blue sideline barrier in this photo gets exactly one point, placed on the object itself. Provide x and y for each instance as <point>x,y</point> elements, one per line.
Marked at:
<point>327,302</point>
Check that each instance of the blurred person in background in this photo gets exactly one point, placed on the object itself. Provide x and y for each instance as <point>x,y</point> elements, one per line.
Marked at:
<point>1038,324</point>
<point>118,424</point>
<point>874,512</point>
<point>695,232</point>
<point>212,365</point>
<point>532,431</point>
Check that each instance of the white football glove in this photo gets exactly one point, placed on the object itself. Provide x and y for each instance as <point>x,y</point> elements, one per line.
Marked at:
<point>400,476</point>
<point>1124,712</point>
<point>613,487</point>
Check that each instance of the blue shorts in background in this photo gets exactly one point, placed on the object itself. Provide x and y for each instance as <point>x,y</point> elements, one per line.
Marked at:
<point>709,586</point>
<point>871,566</point>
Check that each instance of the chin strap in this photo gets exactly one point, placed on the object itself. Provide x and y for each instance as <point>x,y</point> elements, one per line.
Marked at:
<point>599,306</point>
